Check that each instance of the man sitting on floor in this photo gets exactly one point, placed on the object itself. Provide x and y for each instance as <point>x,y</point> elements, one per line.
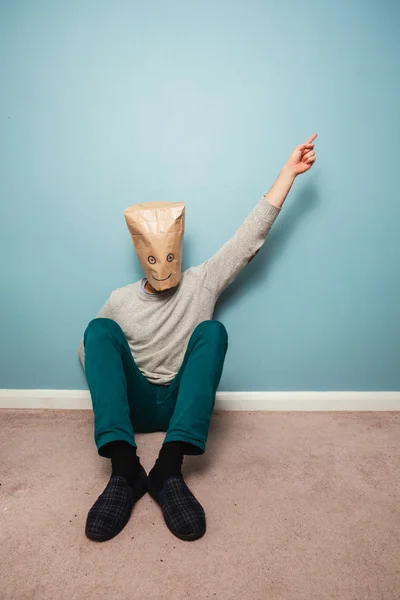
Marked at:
<point>153,357</point>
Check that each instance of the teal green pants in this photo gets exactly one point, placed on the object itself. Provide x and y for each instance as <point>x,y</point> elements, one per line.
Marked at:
<point>124,401</point>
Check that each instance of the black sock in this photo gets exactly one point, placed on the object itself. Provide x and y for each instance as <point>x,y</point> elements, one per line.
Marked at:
<point>124,460</point>
<point>169,461</point>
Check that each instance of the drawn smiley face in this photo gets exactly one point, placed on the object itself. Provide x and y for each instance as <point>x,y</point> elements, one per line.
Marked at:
<point>152,260</point>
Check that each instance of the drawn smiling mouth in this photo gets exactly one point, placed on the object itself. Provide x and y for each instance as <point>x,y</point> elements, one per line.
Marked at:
<point>165,278</point>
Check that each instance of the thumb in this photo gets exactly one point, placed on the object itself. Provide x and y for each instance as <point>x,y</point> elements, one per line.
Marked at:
<point>305,146</point>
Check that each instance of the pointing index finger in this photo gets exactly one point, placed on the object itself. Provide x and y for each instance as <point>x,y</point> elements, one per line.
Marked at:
<point>311,138</point>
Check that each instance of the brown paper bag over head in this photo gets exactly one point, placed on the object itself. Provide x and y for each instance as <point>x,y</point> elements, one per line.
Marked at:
<point>157,231</point>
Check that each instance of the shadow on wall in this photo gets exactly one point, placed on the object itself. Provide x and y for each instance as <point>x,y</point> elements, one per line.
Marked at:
<point>303,203</point>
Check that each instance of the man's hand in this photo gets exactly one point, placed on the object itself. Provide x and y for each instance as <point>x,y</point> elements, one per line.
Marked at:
<point>300,161</point>
<point>302,158</point>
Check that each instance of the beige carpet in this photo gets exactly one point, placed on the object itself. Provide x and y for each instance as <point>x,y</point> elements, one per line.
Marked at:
<point>300,506</point>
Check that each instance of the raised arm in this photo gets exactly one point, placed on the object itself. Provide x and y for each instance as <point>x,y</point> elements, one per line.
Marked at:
<point>236,253</point>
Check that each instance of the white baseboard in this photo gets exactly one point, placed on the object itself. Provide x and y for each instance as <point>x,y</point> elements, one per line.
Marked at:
<point>268,401</point>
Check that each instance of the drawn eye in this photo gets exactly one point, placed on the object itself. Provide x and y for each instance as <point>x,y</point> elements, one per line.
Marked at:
<point>152,260</point>
<point>170,257</point>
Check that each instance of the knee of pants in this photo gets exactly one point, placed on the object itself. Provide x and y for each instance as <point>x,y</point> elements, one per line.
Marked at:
<point>214,331</point>
<point>100,329</point>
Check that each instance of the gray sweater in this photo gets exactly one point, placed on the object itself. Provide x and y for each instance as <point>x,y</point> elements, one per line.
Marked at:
<point>158,326</point>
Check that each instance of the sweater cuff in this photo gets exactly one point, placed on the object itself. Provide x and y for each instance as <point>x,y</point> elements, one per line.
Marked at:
<point>269,211</point>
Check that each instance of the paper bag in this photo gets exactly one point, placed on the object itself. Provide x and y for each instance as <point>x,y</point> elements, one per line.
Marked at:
<point>157,231</point>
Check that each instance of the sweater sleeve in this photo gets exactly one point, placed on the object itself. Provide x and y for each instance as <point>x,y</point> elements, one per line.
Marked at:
<point>105,312</point>
<point>222,268</point>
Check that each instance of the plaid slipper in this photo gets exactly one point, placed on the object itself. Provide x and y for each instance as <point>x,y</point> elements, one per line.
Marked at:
<point>183,514</point>
<point>112,509</point>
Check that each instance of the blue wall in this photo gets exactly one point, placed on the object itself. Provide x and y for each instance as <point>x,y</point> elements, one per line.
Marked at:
<point>105,104</point>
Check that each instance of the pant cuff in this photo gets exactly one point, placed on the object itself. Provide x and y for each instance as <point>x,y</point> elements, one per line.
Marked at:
<point>105,438</point>
<point>177,437</point>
